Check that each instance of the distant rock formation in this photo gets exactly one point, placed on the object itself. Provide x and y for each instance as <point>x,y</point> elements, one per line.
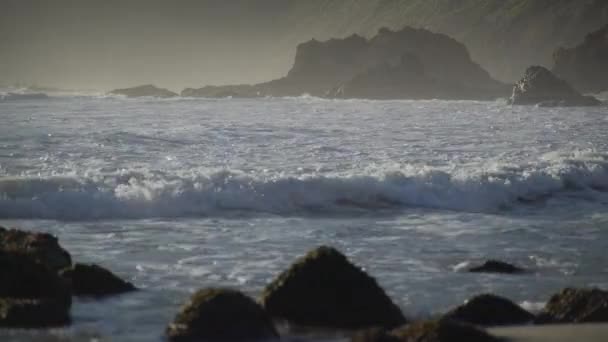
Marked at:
<point>585,66</point>
<point>406,64</point>
<point>144,90</point>
<point>496,266</point>
<point>540,87</point>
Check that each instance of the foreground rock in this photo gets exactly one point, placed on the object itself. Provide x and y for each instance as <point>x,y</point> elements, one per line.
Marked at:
<point>221,315</point>
<point>93,280</point>
<point>495,266</point>
<point>405,64</point>
<point>428,331</point>
<point>490,310</point>
<point>31,294</point>
<point>41,247</point>
<point>324,289</point>
<point>540,87</point>
<point>576,306</point>
<point>144,90</point>
<point>586,65</point>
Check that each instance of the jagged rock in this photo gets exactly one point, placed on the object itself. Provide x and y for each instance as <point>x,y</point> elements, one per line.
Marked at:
<point>490,310</point>
<point>359,68</point>
<point>586,65</point>
<point>41,247</point>
<point>221,315</point>
<point>144,90</point>
<point>496,266</point>
<point>31,294</point>
<point>576,306</point>
<point>93,280</point>
<point>324,289</point>
<point>540,87</point>
<point>428,331</point>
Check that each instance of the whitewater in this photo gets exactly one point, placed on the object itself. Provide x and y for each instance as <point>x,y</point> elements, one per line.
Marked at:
<point>179,194</point>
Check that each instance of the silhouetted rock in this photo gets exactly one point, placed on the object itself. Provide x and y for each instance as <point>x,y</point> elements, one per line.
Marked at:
<point>576,306</point>
<point>144,90</point>
<point>406,64</point>
<point>324,289</point>
<point>31,294</point>
<point>221,315</point>
<point>93,280</point>
<point>241,91</point>
<point>586,65</point>
<point>490,310</point>
<point>41,247</point>
<point>428,331</point>
<point>540,87</point>
<point>496,266</point>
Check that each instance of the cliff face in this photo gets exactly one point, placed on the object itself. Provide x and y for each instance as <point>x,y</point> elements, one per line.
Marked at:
<point>406,64</point>
<point>585,66</point>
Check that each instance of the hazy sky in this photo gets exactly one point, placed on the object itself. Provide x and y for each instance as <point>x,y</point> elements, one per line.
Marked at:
<point>103,44</point>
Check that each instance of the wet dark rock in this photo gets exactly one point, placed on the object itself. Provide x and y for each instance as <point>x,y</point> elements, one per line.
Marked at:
<point>144,90</point>
<point>240,91</point>
<point>40,247</point>
<point>33,313</point>
<point>428,331</point>
<point>576,306</point>
<point>539,86</point>
<point>93,280</point>
<point>586,65</point>
<point>324,289</point>
<point>490,310</point>
<point>31,294</point>
<point>496,266</point>
<point>221,315</point>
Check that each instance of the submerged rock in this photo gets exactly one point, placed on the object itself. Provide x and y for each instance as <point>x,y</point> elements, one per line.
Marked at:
<point>576,306</point>
<point>31,294</point>
<point>324,289</point>
<point>540,86</point>
<point>490,310</point>
<point>144,90</point>
<point>40,247</point>
<point>586,65</point>
<point>221,315</point>
<point>428,331</point>
<point>93,280</point>
<point>496,266</point>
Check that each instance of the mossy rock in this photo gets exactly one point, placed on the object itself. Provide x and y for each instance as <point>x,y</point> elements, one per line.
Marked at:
<point>490,310</point>
<point>576,306</point>
<point>31,295</point>
<point>324,289</point>
<point>442,330</point>
<point>94,280</point>
<point>217,314</point>
<point>33,313</point>
<point>41,247</point>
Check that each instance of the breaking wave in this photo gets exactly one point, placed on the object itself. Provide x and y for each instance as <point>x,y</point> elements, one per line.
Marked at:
<point>146,194</point>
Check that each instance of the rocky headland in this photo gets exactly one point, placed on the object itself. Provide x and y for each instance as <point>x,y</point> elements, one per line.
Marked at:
<point>405,64</point>
<point>144,90</point>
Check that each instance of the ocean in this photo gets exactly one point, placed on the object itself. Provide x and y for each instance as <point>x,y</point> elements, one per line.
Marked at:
<point>179,194</point>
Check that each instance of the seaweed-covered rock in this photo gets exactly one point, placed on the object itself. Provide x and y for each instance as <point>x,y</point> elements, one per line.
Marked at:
<point>31,294</point>
<point>490,310</point>
<point>144,90</point>
<point>93,280</point>
<point>221,315</point>
<point>324,289</point>
<point>576,306</point>
<point>539,86</point>
<point>428,331</point>
<point>40,247</point>
<point>496,266</point>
